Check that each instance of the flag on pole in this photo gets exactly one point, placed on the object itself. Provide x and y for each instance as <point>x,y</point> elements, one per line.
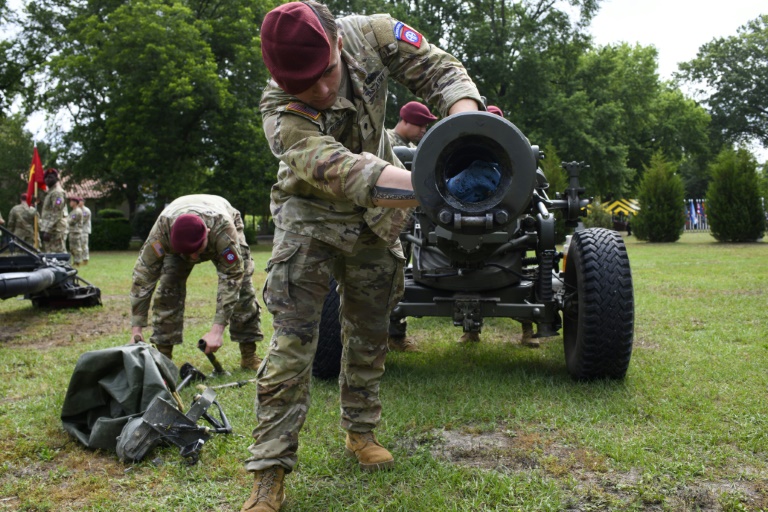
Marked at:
<point>35,176</point>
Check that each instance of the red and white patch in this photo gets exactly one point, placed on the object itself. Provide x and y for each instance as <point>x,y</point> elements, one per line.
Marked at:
<point>229,255</point>
<point>406,34</point>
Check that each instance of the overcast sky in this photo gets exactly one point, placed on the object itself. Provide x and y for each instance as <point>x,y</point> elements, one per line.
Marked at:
<point>677,28</point>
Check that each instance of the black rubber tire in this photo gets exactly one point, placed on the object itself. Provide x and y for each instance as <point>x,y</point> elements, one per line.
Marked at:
<point>598,311</point>
<point>327,363</point>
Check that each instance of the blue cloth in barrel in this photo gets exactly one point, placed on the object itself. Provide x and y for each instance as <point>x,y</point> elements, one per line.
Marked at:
<point>476,182</point>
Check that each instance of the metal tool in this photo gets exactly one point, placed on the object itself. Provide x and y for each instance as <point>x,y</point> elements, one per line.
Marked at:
<point>218,370</point>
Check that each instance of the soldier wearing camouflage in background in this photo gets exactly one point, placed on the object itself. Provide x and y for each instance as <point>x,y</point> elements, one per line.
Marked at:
<point>86,233</point>
<point>409,130</point>
<point>21,221</point>
<point>53,219</point>
<point>190,230</point>
<point>75,225</point>
<point>339,204</point>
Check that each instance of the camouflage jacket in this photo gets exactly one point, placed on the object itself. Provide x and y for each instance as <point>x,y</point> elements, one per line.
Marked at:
<point>224,241</point>
<point>21,221</point>
<point>330,160</point>
<point>54,216</point>
<point>86,220</point>
<point>75,221</point>
<point>396,140</point>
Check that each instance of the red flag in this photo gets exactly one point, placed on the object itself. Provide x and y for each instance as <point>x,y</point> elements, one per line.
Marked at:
<point>35,176</point>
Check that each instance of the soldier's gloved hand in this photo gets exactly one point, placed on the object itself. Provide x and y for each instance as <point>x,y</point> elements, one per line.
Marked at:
<point>45,237</point>
<point>476,182</point>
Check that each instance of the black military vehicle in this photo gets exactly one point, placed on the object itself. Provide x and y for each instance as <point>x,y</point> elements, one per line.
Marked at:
<point>496,256</point>
<point>47,279</point>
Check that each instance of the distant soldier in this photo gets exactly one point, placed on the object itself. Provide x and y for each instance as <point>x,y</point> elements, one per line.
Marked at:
<point>53,221</point>
<point>190,230</point>
<point>86,233</point>
<point>75,223</point>
<point>414,119</point>
<point>21,221</point>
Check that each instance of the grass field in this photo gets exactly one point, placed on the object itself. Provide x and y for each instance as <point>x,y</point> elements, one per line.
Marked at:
<point>490,427</point>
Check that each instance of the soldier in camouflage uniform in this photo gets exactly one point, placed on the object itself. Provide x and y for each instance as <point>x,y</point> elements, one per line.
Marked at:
<point>339,204</point>
<point>53,220</point>
<point>190,230</point>
<point>86,233</point>
<point>409,130</point>
<point>75,225</point>
<point>21,221</point>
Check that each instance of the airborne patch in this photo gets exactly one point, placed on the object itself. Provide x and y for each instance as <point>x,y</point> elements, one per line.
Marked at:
<point>229,255</point>
<point>158,248</point>
<point>303,109</point>
<point>406,34</point>
<point>58,201</point>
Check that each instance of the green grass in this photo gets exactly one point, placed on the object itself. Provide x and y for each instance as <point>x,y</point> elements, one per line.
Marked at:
<point>493,426</point>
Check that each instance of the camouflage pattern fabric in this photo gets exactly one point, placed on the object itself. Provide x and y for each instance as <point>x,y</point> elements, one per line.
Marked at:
<point>86,232</point>
<point>75,223</point>
<point>53,220</point>
<point>370,276</point>
<point>336,156</point>
<point>157,265</point>
<point>21,222</point>
<point>396,140</point>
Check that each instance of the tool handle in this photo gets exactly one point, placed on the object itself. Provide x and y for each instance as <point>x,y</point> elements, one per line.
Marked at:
<point>212,358</point>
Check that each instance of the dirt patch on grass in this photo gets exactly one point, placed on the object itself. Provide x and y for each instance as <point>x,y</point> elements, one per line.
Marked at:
<point>597,484</point>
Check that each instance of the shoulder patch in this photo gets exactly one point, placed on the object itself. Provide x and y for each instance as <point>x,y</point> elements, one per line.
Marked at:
<point>229,255</point>
<point>406,34</point>
<point>158,248</point>
<point>58,201</point>
<point>303,109</point>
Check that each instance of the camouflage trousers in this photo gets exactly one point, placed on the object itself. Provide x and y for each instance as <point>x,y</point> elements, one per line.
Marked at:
<point>171,293</point>
<point>370,277</point>
<point>76,247</point>
<point>84,245</point>
<point>56,243</point>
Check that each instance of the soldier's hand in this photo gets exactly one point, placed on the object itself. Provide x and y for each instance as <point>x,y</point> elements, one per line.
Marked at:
<point>214,338</point>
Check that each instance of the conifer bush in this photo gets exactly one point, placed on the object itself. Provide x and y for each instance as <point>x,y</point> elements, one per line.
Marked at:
<point>662,203</point>
<point>734,209</point>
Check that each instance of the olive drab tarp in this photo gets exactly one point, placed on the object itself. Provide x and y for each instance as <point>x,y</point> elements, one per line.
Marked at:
<point>110,386</point>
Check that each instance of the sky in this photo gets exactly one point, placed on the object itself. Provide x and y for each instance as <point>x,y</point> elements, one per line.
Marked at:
<point>677,28</point>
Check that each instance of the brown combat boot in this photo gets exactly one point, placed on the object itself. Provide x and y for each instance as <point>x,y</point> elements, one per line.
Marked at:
<point>527,338</point>
<point>469,337</point>
<point>370,454</point>
<point>401,344</point>
<point>268,492</point>
<point>248,358</point>
<point>166,350</point>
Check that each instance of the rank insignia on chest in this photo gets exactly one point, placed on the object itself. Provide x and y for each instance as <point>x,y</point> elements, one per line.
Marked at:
<point>158,248</point>
<point>229,255</point>
<point>406,34</point>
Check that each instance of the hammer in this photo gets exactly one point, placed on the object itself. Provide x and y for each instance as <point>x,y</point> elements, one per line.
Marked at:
<point>217,368</point>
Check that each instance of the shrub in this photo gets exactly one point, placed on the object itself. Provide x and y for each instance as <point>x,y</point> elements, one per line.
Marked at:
<point>110,232</point>
<point>143,221</point>
<point>662,203</point>
<point>597,216</point>
<point>733,207</point>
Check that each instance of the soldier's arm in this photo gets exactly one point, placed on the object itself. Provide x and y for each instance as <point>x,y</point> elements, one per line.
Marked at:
<point>146,273</point>
<point>230,270</point>
<point>12,221</point>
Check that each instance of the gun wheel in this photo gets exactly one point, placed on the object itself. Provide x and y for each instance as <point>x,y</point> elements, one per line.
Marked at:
<point>327,363</point>
<point>598,309</point>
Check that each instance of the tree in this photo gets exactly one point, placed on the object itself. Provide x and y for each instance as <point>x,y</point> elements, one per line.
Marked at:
<point>558,182</point>
<point>16,145</point>
<point>162,95</point>
<point>732,75</point>
<point>662,201</point>
<point>734,207</point>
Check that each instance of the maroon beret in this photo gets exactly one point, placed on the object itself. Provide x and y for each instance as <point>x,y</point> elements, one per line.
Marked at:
<point>415,113</point>
<point>294,46</point>
<point>493,109</point>
<point>51,171</point>
<point>188,233</point>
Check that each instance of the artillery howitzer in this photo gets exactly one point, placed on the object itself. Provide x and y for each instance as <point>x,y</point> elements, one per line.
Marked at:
<point>497,257</point>
<point>47,279</point>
